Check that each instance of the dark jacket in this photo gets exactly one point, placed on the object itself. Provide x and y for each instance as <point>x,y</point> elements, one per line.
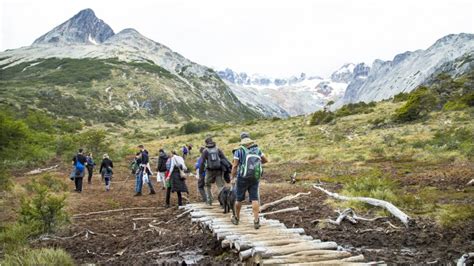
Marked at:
<point>81,158</point>
<point>226,169</point>
<point>144,157</point>
<point>177,184</point>
<point>106,163</point>
<point>205,155</point>
<point>162,162</point>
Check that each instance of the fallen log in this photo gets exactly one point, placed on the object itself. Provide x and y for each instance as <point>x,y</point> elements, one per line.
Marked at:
<point>470,183</point>
<point>299,259</point>
<point>289,231</point>
<point>405,219</point>
<point>344,261</point>
<point>246,244</point>
<point>281,211</point>
<point>284,199</point>
<point>464,258</point>
<point>267,252</point>
<point>39,170</point>
<point>80,215</point>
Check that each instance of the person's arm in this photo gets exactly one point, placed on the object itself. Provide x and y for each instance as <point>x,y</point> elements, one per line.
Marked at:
<point>171,166</point>
<point>264,159</point>
<point>222,155</point>
<point>111,164</point>
<point>101,167</point>
<point>233,172</point>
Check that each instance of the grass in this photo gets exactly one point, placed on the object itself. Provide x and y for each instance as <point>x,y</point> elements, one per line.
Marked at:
<point>44,256</point>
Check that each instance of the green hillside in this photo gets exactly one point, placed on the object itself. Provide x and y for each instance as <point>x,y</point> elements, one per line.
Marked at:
<point>108,90</point>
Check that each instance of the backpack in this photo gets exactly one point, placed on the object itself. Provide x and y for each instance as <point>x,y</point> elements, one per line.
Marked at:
<point>90,161</point>
<point>185,150</point>
<point>134,166</point>
<point>79,165</point>
<point>251,167</point>
<point>213,159</point>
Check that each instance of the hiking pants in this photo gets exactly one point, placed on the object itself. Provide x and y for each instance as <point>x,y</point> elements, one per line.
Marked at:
<point>168,196</point>
<point>211,177</point>
<point>201,190</point>
<point>90,170</point>
<point>78,183</point>
<point>107,182</point>
<point>139,182</point>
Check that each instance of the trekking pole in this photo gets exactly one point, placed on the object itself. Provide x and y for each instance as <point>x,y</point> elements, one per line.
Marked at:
<point>124,182</point>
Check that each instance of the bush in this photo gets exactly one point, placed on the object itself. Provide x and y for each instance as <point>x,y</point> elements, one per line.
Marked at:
<point>44,256</point>
<point>194,127</point>
<point>455,215</point>
<point>44,211</point>
<point>355,108</point>
<point>321,117</point>
<point>48,181</point>
<point>401,97</point>
<point>93,141</point>
<point>5,181</point>
<point>15,236</point>
<point>373,185</point>
<point>420,102</point>
<point>461,139</point>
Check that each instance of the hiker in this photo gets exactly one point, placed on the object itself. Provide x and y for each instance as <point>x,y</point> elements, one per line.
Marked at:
<point>247,169</point>
<point>185,151</point>
<point>90,167</point>
<point>161,168</point>
<point>144,172</point>
<point>79,161</point>
<point>211,168</point>
<point>190,147</point>
<point>106,170</point>
<point>176,180</point>
<point>199,177</point>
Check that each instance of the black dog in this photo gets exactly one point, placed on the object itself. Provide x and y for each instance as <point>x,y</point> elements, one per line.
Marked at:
<point>227,199</point>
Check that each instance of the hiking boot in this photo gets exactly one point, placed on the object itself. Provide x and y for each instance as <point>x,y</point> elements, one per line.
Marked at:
<point>137,194</point>
<point>167,206</point>
<point>256,224</point>
<point>152,192</point>
<point>234,220</point>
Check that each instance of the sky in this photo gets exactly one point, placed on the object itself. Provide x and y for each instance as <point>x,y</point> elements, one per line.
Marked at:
<point>272,37</point>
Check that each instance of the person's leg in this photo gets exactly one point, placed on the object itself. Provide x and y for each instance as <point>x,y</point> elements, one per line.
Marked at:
<point>168,195</point>
<point>240,188</point>
<point>79,184</point>
<point>180,198</point>
<point>89,176</point>
<point>150,186</point>
<point>207,186</point>
<point>201,190</point>
<point>138,183</point>
<point>254,197</point>
<point>220,181</point>
<point>76,183</point>
<point>107,183</point>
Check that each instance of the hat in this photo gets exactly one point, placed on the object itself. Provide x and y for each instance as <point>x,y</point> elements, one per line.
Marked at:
<point>105,155</point>
<point>244,135</point>
<point>246,141</point>
<point>208,140</point>
<point>141,146</point>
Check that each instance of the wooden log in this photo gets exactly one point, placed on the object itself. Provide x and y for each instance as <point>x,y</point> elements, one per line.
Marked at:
<point>346,261</point>
<point>246,244</point>
<point>246,227</point>
<point>284,199</point>
<point>266,229</point>
<point>39,170</point>
<point>80,215</point>
<point>289,231</point>
<point>267,252</point>
<point>226,244</point>
<point>299,259</point>
<point>281,211</point>
<point>405,219</point>
<point>247,237</point>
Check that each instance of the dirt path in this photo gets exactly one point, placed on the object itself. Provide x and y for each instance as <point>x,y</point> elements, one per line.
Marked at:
<point>117,240</point>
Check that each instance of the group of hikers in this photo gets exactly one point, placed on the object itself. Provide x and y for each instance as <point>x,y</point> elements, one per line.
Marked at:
<point>242,175</point>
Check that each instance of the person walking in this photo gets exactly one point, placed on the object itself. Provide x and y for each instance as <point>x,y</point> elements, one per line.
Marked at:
<point>106,170</point>
<point>200,177</point>
<point>79,161</point>
<point>211,168</point>
<point>177,181</point>
<point>161,168</point>
<point>144,172</point>
<point>185,151</point>
<point>246,172</point>
<point>90,167</point>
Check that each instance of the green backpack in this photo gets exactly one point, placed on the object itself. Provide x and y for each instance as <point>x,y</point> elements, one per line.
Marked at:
<point>251,167</point>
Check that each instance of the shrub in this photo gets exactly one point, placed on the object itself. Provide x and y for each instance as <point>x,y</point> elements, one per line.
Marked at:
<point>373,185</point>
<point>455,215</point>
<point>44,256</point>
<point>234,139</point>
<point>5,181</point>
<point>194,127</point>
<point>44,211</point>
<point>15,236</point>
<point>93,140</point>
<point>355,108</point>
<point>48,181</point>
<point>461,139</point>
<point>321,117</point>
<point>401,97</point>
<point>420,102</point>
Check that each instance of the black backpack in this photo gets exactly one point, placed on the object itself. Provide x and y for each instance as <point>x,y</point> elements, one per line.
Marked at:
<point>213,159</point>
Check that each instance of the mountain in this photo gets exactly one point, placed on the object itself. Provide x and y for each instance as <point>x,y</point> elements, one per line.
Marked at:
<point>84,27</point>
<point>138,76</point>
<point>288,96</point>
<point>408,70</point>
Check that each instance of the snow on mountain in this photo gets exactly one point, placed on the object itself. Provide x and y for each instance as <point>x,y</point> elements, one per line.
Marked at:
<point>288,96</point>
<point>408,70</point>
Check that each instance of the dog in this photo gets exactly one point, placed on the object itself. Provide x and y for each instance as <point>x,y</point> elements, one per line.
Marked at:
<point>227,198</point>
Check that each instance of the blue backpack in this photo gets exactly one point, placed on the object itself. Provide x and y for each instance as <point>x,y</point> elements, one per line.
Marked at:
<point>79,165</point>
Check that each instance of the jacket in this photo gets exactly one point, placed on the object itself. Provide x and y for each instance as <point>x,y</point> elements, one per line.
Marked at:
<point>162,162</point>
<point>204,156</point>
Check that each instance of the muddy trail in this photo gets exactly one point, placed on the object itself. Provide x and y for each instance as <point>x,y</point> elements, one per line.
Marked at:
<point>152,233</point>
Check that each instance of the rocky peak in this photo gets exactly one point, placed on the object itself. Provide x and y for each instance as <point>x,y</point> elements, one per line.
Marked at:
<point>82,28</point>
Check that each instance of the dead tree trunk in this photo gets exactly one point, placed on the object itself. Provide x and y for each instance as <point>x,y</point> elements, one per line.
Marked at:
<point>405,219</point>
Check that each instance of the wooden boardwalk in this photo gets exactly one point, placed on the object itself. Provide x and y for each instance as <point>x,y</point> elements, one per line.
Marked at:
<point>273,243</point>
